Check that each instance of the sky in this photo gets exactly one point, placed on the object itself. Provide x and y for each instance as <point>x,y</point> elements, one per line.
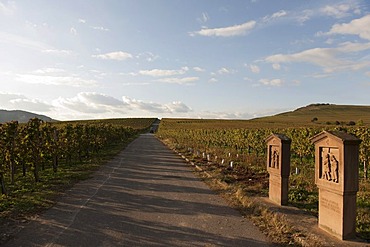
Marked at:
<point>233,59</point>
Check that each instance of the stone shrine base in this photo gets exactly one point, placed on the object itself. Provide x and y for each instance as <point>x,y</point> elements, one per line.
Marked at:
<point>308,225</point>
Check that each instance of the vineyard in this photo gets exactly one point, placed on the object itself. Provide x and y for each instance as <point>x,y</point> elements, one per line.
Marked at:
<point>238,156</point>
<point>38,159</point>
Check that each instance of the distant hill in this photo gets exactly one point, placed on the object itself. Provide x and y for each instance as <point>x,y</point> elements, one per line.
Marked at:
<point>21,116</point>
<point>324,114</point>
<point>314,115</point>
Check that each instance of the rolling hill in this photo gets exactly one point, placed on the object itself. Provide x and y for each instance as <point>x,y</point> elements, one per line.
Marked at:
<point>324,114</point>
<point>311,115</point>
<point>21,116</point>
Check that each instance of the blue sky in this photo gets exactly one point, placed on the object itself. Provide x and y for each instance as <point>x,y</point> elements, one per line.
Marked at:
<point>189,58</point>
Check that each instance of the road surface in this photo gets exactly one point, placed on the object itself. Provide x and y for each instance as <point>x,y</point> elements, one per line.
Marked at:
<point>146,196</point>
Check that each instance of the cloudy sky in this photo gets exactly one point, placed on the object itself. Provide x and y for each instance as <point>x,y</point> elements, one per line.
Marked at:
<point>182,58</point>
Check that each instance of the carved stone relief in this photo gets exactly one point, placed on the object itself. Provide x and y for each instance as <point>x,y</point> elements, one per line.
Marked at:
<point>274,157</point>
<point>329,164</point>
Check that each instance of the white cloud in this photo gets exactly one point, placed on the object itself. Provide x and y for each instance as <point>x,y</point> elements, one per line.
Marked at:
<point>276,66</point>
<point>212,80</point>
<point>48,71</point>
<point>304,16</point>
<point>225,71</point>
<point>330,59</point>
<point>340,10</point>
<point>181,81</point>
<point>349,47</point>
<point>82,21</point>
<point>55,76</point>
<point>57,52</point>
<point>7,8</point>
<point>148,56</point>
<point>274,16</point>
<point>172,108</point>
<point>36,27</point>
<point>91,102</point>
<point>6,97</point>
<point>31,105</point>
<point>296,82</point>
<point>23,41</point>
<point>99,99</point>
<point>145,106</point>
<point>204,17</point>
<point>163,72</point>
<point>247,79</point>
<point>198,69</point>
<point>20,102</point>
<point>178,107</point>
<point>226,115</point>
<point>73,31</point>
<point>358,27</point>
<point>100,28</point>
<point>117,55</point>
<point>254,68</point>
<point>329,41</point>
<point>273,82</point>
<point>337,11</point>
<point>56,80</point>
<point>236,30</point>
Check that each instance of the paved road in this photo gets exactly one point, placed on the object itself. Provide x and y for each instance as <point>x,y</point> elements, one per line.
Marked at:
<point>146,196</point>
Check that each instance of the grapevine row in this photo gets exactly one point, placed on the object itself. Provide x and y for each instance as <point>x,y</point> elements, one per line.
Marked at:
<point>252,141</point>
<point>37,145</point>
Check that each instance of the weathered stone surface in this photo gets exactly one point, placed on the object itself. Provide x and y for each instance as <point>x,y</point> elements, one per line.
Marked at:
<point>336,176</point>
<point>278,166</point>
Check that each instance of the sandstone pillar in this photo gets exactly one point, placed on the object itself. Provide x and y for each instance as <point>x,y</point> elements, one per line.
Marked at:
<point>278,167</point>
<point>336,176</point>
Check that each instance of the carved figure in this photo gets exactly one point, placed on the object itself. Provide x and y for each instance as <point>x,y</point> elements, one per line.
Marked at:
<point>326,168</point>
<point>275,159</point>
<point>335,166</point>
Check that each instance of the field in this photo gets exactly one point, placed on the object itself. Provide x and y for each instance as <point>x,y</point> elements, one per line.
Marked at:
<point>135,123</point>
<point>316,115</point>
<point>234,151</point>
<point>39,160</point>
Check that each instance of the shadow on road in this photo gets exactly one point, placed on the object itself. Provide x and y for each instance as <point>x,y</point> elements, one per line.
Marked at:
<point>146,196</point>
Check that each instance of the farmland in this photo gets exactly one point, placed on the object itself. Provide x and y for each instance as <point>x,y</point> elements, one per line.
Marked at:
<point>39,160</point>
<point>234,151</point>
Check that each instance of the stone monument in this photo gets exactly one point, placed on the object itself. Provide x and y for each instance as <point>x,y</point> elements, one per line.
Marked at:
<point>336,176</point>
<point>278,167</point>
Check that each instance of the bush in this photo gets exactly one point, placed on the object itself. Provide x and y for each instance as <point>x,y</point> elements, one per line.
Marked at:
<point>297,194</point>
<point>351,123</point>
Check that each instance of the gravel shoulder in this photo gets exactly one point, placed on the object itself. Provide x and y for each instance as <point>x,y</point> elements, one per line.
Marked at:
<point>146,196</point>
